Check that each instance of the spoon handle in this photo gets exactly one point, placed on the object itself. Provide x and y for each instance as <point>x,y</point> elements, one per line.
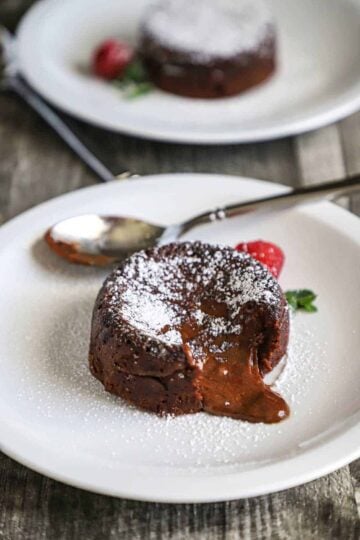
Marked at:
<point>24,90</point>
<point>303,195</point>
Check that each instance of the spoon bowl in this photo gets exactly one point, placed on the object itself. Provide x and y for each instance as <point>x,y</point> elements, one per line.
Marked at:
<point>101,240</point>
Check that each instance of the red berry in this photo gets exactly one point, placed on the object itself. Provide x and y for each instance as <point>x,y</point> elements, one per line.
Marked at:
<point>111,58</point>
<point>268,254</point>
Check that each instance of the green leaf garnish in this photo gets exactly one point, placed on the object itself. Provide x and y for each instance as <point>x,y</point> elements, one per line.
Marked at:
<point>291,298</point>
<point>135,72</point>
<point>139,89</point>
<point>134,82</point>
<point>301,299</point>
<point>310,308</point>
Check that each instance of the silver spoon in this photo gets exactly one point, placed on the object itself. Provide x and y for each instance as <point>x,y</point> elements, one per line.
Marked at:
<point>11,80</point>
<point>101,240</point>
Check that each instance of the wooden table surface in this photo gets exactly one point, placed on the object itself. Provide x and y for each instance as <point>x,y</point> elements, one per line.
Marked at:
<point>35,166</point>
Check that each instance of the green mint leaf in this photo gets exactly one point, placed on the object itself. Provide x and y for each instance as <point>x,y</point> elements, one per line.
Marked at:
<point>310,308</point>
<point>301,299</point>
<point>291,298</point>
<point>135,72</point>
<point>139,89</point>
<point>304,296</point>
<point>134,82</point>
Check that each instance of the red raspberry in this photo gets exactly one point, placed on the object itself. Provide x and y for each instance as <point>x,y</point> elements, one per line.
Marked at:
<point>268,254</point>
<point>111,58</point>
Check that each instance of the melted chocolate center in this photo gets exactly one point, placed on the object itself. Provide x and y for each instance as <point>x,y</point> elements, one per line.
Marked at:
<point>227,370</point>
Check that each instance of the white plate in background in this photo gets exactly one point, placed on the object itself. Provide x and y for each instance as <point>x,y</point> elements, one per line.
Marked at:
<point>57,419</point>
<point>317,81</point>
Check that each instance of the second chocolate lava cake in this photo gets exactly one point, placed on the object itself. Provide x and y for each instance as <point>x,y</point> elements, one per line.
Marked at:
<point>208,48</point>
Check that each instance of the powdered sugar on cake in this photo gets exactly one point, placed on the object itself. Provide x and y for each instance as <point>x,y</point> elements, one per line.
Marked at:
<point>151,294</point>
<point>210,28</point>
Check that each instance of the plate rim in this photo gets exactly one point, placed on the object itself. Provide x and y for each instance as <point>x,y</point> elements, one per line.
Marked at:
<point>209,488</point>
<point>350,103</point>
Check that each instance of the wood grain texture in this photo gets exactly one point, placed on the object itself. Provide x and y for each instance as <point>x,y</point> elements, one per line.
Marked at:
<point>273,161</point>
<point>350,137</point>
<point>32,506</point>
<point>320,157</point>
<point>35,166</point>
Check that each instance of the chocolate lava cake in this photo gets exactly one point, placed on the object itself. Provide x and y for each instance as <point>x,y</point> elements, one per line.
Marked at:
<point>188,327</point>
<point>208,48</point>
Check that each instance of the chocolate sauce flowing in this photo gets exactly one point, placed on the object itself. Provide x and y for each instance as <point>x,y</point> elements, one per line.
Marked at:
<point>227,372</point>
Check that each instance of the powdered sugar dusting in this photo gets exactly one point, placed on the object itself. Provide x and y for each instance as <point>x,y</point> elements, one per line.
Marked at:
<point>156,296</point>
<point>209,28</point>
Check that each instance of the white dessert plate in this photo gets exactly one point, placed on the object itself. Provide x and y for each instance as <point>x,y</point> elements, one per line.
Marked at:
<point>317,81</point>
<point>57,419</point>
